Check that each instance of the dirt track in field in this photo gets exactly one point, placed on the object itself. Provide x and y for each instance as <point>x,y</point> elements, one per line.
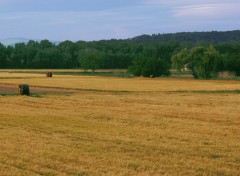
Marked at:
<point>13,89</point>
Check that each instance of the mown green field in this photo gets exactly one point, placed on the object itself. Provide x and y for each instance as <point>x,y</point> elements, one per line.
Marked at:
<point>120,126</point>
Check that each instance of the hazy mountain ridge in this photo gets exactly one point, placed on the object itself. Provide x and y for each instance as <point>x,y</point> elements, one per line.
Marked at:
<point>13,41</point>
<point>193,37</point>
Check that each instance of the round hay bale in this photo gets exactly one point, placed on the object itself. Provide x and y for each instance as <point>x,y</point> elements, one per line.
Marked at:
<point>24,89</point>
<point>49,74</point>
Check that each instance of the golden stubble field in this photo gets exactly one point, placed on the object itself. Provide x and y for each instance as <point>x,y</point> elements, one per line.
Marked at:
<point>111,127</point>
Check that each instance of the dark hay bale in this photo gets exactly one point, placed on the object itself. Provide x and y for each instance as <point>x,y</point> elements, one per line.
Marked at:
<point>49,74</point>
<point>24,89</point>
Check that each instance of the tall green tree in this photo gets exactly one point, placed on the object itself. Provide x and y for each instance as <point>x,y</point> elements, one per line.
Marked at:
<point>3,56</point>
<point>90,59</point>
<point>180,59</point>
<point>231,56</point>
<point>204,62</point>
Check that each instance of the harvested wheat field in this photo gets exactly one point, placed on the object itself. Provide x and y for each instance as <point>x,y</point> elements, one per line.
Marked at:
<point>111,127</point>
<point>117,84</point>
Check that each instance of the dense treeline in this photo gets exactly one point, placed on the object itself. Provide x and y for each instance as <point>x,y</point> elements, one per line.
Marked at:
<point>113,54</point>
<point>193,37</point>
<point>204,59</point>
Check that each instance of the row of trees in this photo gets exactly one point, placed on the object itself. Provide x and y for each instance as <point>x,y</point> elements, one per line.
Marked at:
<point>149,59</point>
<point>113,54</point>
<point>67,54</point>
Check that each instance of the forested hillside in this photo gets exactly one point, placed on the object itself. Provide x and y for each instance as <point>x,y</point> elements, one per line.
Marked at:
<point>143,56</point>
<point>193,37</point>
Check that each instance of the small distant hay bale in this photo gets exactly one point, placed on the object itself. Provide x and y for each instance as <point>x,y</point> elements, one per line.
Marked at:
<point>49,74</point>
<point>24,89</point>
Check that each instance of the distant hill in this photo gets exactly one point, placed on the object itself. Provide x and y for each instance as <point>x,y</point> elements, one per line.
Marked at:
<point>193,37</point>
<point>13,41</point>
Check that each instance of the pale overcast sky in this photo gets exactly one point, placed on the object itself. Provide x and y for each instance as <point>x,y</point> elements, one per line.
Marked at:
<point>119,19</point>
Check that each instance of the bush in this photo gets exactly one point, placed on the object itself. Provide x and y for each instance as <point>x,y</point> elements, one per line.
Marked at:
<point>149,67</point>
